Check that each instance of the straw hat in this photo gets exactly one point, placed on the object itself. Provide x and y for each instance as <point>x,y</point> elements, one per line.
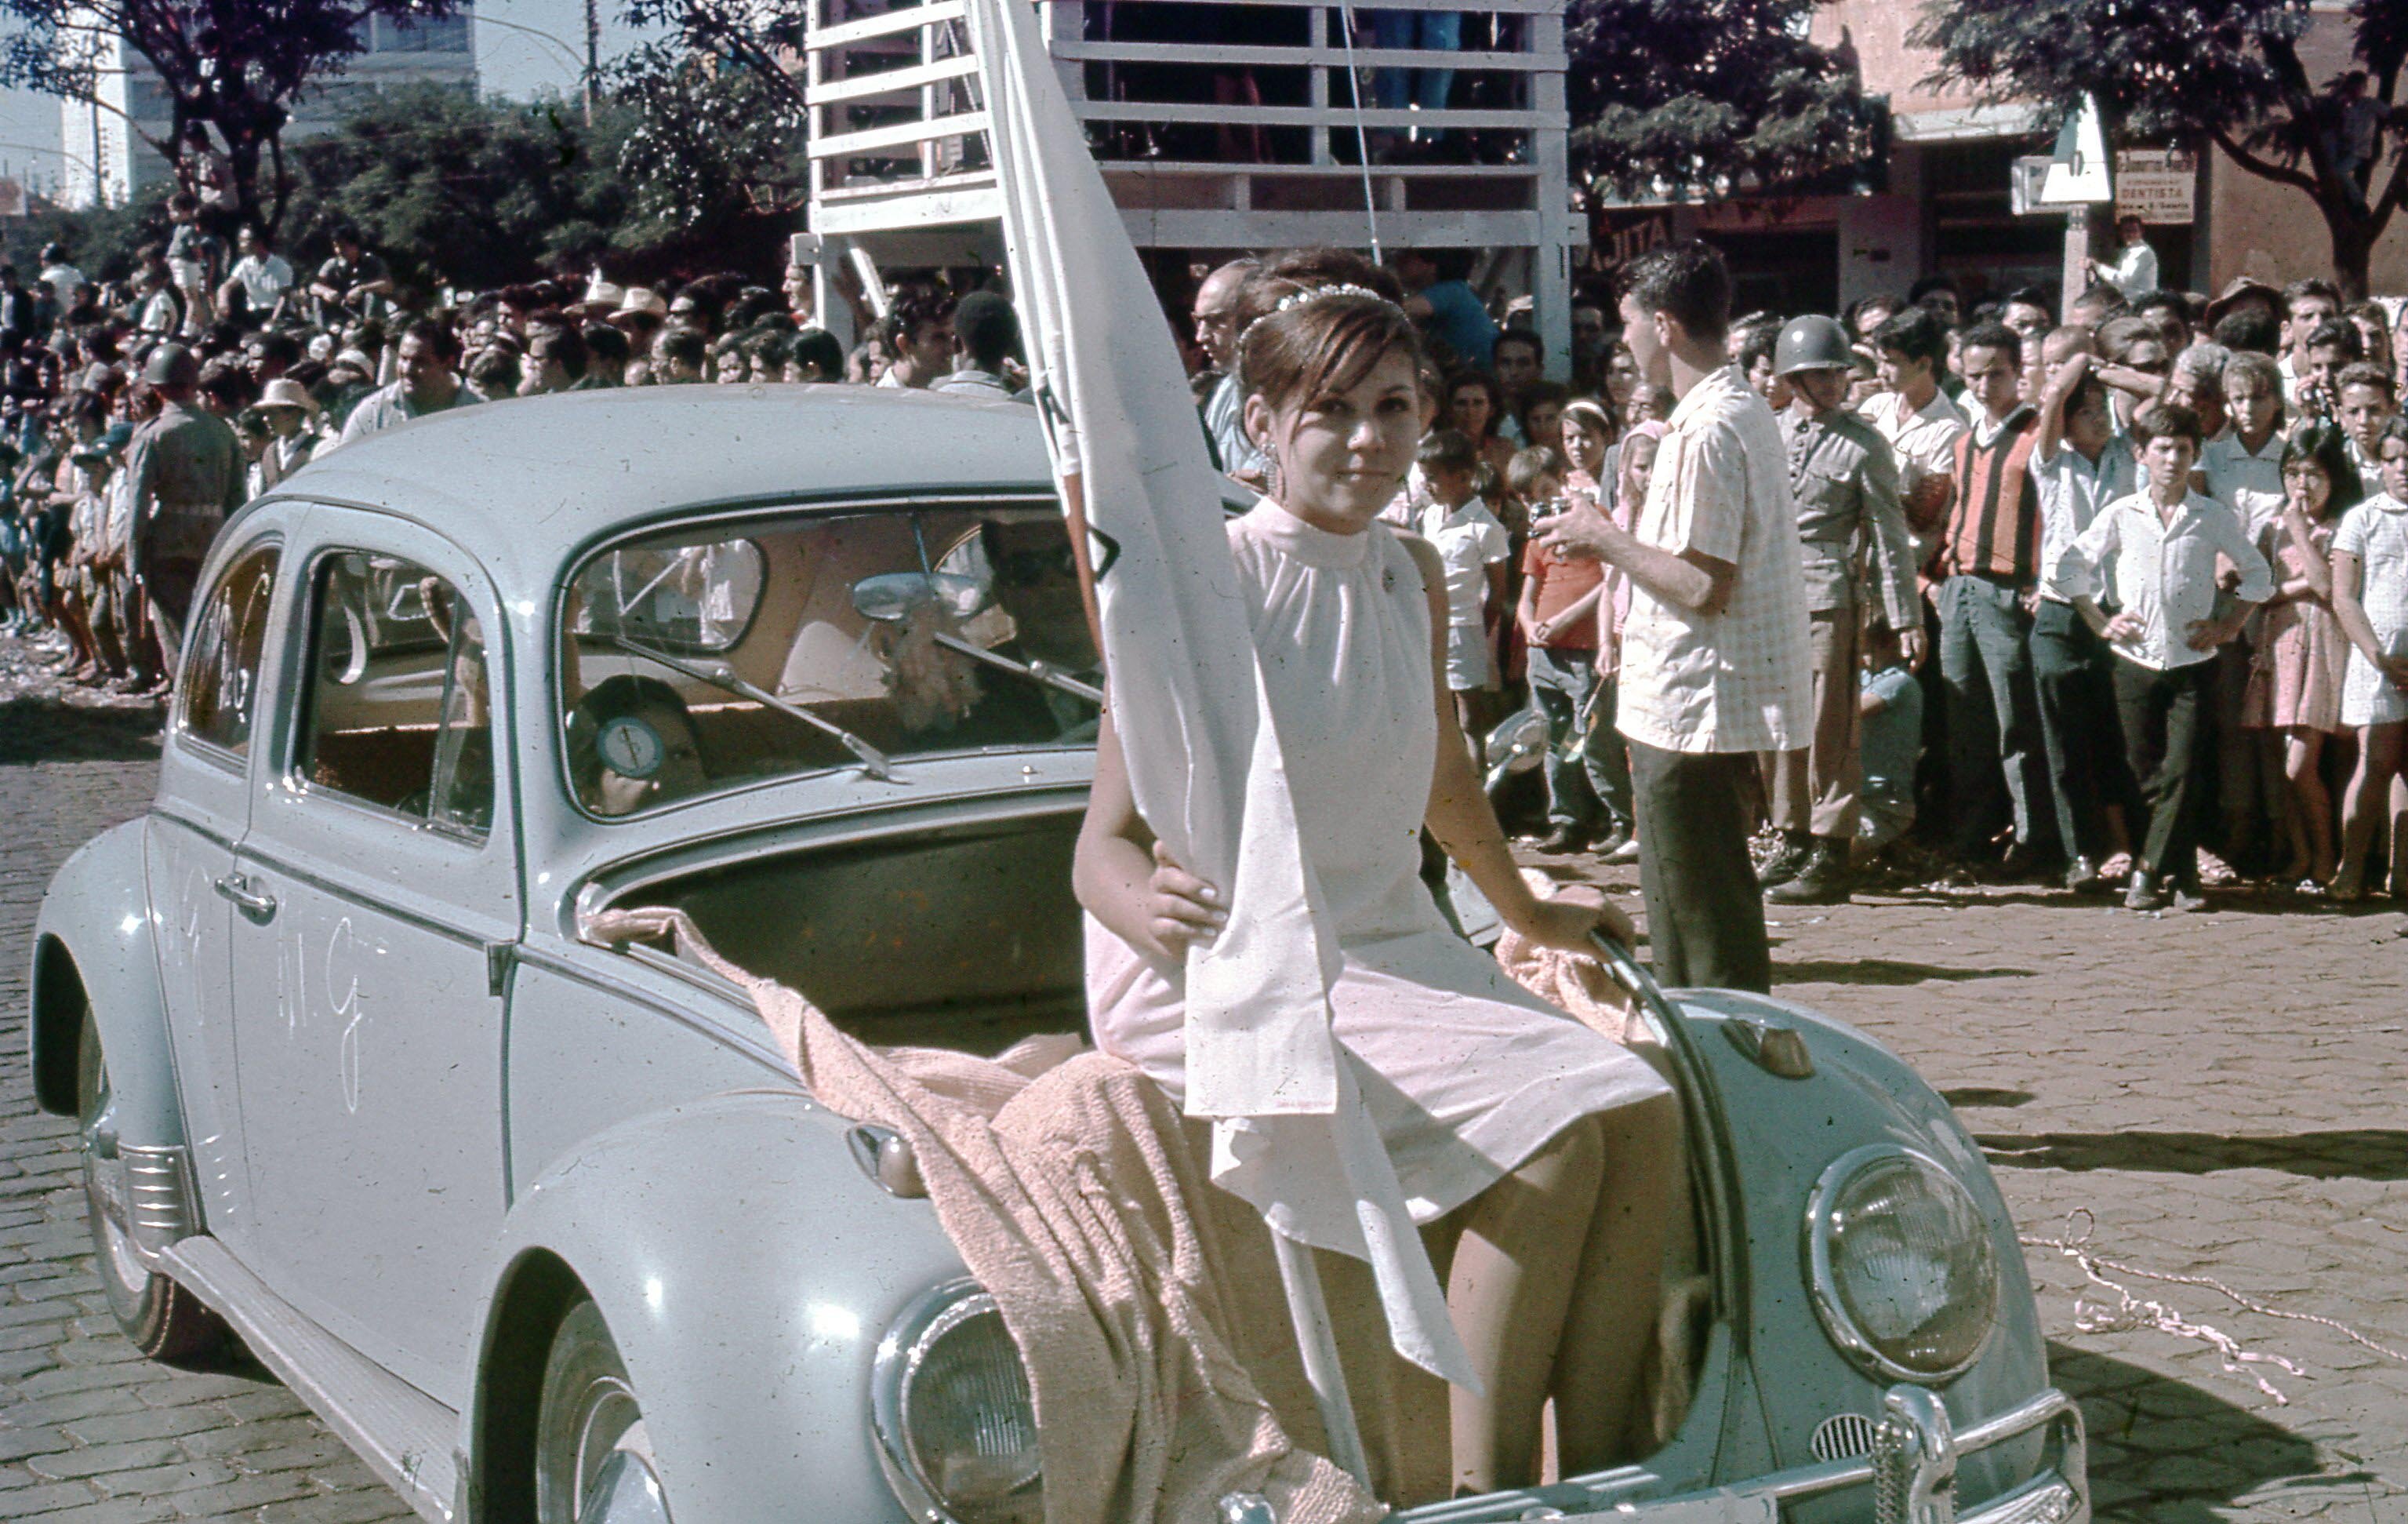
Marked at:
<point>640,301</point>
<point>284,393</point>
<point>602,297</point>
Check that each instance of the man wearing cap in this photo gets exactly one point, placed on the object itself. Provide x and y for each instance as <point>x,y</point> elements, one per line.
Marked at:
<point>427,383</point>
<point>184,473</point>
<point>1844,480</point>
<point>290,414</point>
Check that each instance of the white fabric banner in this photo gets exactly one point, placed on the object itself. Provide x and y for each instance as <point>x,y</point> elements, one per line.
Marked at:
<point>1203,759</point>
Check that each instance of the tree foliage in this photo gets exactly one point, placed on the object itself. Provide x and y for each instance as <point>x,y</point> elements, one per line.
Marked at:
<point>237,65</point>
<point>718,123</point>
<point>1706,96</point>
<point>478,192</point>
<point>2226,73</point>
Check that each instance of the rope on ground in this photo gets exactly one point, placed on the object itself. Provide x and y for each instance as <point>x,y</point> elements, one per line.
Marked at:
<point>2133,1312</point>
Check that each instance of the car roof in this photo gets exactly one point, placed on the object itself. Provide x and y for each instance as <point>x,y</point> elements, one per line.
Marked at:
<point>522,482</point>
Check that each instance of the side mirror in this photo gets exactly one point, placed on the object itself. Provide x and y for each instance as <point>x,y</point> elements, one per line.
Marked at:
<point>890,596</point>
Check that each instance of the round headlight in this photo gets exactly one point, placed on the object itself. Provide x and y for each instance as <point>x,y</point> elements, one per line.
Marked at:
<point>956,1427</point>
<point>1904,1274</point>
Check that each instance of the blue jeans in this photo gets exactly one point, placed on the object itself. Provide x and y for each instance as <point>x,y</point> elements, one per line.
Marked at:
<point>1395,89</point>
<point>1598,773</point>
<point>1994,728</point>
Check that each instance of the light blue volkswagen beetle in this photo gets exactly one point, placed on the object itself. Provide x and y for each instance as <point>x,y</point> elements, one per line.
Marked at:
<point>538,1221</point>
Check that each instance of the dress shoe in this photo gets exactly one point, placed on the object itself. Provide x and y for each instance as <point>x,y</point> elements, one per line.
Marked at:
<point>2185,900</point>
<point>1563,838</point>
<point>1627,853</point>
<point>2143,893</point>
<point>2082,876</point>
<point>1826,879</point>
<point>1797,850</point>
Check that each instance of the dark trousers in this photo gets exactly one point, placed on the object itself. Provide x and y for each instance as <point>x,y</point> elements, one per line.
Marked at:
<point>1705,910</point>
<point>1994,740</point>
<point>2165,731</point>
<point>2074,673</point>
<point>1596,775</point>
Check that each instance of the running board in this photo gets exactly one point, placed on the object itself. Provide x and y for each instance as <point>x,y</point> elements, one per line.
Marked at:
<point>405,1436</point>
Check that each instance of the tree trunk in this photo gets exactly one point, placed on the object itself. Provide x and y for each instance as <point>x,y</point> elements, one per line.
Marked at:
<point>242,155</point>
<point>2352,232</point>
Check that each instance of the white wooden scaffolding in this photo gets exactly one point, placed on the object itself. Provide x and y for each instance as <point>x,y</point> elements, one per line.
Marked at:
<point>1221,126</point>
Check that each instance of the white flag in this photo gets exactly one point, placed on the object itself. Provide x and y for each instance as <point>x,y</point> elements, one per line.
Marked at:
<point>1203,758</point>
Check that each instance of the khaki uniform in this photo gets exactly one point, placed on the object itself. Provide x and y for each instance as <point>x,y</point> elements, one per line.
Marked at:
<point>1857,558</point>
<point>185,475</point>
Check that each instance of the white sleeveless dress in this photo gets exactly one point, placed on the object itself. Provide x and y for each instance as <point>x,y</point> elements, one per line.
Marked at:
<point>1464,1073</point>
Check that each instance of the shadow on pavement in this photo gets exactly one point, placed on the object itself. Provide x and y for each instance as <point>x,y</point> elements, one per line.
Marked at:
<point>2171,1453</point>
<point>2352,1155</point>
<point>1884,970</point>
<point>46,730</point>
<point>1977,1095</point>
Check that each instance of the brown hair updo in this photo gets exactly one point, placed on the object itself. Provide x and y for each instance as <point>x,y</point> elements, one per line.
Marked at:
<point>1325,343</point>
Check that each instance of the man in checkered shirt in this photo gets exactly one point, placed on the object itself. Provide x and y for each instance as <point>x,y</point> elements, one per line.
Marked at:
<point>1715,662</point>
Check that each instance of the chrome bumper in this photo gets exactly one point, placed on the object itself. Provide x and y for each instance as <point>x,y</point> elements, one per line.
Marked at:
<point>1911,1477</point>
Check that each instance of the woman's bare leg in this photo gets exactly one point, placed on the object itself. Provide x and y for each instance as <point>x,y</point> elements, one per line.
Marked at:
<point>1510,1288</point>
<point>1620,1289</point>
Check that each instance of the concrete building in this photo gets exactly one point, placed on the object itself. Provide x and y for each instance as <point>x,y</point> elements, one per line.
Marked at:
<point>107,158</point>
<point>1944,204</point>
<point>1223,126</point>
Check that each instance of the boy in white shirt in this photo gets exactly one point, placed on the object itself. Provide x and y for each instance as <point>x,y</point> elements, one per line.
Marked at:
<point>2159,549</point>
<point>1476,551</point>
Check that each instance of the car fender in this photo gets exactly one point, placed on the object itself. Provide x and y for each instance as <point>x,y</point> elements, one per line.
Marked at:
<point>95,937</point>
<point>1784,1133</point>
<point>746,1268</point>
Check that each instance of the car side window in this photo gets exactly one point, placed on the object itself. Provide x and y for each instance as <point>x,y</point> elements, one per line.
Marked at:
<point>218,696</point>
<point>399,712</point>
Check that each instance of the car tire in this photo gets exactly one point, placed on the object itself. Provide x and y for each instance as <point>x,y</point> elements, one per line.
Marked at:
<point>161,1319</point>
<point>592,1455</point>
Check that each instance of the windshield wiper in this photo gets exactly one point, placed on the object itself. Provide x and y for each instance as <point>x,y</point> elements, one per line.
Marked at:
<point>1043,673</point>
<point>719,675</point>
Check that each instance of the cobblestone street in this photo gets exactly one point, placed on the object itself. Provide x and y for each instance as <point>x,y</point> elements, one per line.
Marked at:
<point>2213,1096</point>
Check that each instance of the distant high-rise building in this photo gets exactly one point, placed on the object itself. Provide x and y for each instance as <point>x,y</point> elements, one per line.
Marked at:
<point>108,159</point>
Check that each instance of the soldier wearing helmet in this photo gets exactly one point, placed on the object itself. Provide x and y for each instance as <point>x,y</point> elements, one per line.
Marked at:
<point>1844,479</point>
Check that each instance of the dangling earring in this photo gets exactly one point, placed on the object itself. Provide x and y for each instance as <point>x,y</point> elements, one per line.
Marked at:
<point>1271,478</point>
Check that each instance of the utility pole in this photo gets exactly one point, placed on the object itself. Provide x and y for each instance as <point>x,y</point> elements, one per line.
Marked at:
<point>592,53</point>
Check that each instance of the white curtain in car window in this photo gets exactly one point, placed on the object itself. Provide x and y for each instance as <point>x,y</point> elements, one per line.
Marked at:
<point>1290,1134</point>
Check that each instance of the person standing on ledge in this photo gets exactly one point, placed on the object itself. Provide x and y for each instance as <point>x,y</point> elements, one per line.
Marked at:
<point>1715,666</point>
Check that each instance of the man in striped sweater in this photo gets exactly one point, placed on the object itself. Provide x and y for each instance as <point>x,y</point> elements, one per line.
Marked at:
<point>1988,563</point>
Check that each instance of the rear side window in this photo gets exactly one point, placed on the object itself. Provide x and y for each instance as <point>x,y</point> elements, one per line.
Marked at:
<point>399,714</point>
<point>219,695</point>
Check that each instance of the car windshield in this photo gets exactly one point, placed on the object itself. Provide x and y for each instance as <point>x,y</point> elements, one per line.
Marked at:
<point>712,655</point>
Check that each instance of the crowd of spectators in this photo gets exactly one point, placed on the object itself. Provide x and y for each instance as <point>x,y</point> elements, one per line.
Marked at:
<point>2029,664</point>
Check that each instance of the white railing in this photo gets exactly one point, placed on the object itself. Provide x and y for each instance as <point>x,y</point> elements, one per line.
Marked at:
<point>896,115</point>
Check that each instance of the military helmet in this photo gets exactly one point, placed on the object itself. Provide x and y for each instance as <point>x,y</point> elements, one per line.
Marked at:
<point>1813,343</point>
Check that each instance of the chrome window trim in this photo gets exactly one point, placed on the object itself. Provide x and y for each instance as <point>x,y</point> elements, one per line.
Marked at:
<point>1823,1291</point>
<point>178,726</point>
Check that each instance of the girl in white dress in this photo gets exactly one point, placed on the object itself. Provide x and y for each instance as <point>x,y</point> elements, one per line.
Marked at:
<point>1474,1084</point>
<point>2370,599</point>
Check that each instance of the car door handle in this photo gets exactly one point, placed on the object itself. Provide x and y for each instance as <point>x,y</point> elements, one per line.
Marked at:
<point>251,900</point>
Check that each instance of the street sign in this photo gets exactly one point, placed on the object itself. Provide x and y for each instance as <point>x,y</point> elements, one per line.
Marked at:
<point>2157,185</point>
<point>2025,178</point>
<point>2077,171</point>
